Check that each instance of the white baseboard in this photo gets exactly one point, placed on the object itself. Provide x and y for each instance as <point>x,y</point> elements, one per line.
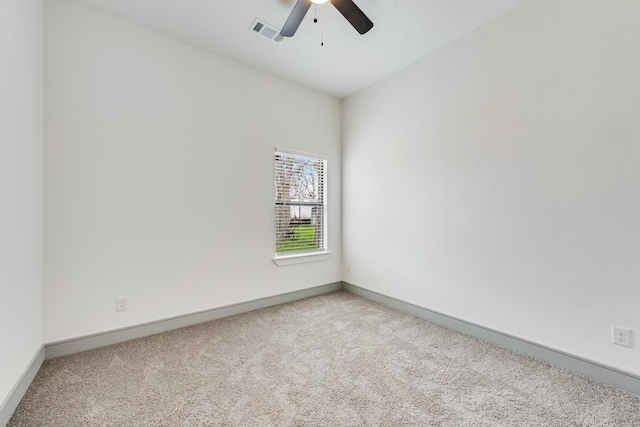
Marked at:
<point>604,374</point>
<point>89,342</point>
<point>16,394</point>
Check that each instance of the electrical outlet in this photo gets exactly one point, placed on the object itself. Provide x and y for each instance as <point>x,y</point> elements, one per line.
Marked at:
<point>621,336</point>
<point>121,304</point>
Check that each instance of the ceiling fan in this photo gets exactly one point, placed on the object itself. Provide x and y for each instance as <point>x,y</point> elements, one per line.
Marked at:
<point>347,8</point>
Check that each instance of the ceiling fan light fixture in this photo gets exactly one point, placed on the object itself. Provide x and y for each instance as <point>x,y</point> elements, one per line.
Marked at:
<point>347,8</point>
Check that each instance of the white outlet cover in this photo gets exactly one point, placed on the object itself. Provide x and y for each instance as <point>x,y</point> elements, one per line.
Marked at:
<point>121,304</point>
<point>621,336</point>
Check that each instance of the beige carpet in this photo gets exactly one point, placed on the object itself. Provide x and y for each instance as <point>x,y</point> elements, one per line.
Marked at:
<point>332,360</point>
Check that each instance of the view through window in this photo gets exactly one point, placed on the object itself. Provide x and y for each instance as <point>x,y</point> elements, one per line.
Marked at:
<point>300,207</point>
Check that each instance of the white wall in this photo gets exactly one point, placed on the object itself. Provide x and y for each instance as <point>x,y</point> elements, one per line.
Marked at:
<point>21,146</point>
<point>159,175</point>
<point>498,179</point>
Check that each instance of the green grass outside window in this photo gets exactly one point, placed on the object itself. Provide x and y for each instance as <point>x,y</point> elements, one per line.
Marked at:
<point>303,238</point>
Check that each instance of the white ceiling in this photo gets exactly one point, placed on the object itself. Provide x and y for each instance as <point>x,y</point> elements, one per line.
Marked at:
<point>404,31</point>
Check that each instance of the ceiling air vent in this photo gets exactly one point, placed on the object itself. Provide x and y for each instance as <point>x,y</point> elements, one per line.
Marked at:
<point>266,30</point>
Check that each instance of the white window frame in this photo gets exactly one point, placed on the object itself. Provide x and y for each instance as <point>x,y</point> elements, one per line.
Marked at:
<point>290,258</point>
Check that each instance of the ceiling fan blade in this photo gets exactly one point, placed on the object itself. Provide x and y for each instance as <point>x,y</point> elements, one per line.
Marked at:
<point>296,17</point>
<point>354,15</point>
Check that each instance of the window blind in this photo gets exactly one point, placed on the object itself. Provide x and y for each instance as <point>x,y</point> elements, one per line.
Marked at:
<point>299,203</point>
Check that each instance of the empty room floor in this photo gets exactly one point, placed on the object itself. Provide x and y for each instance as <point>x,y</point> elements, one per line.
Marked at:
<point>331,360</point>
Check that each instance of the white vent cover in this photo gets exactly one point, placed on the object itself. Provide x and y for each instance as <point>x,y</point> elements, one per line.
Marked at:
<point>266,30</point>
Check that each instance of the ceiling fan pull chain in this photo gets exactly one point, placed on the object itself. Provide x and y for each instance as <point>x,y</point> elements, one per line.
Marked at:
<point>321,31</point>
<point>315,19</point>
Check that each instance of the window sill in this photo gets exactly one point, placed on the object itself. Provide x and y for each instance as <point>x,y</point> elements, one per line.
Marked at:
<point>300,258</point>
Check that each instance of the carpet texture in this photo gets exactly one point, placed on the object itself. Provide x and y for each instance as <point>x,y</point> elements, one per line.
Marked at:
<point>331,360</point>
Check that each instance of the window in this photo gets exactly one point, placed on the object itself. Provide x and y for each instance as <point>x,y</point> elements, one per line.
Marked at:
<point>299,204</point>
